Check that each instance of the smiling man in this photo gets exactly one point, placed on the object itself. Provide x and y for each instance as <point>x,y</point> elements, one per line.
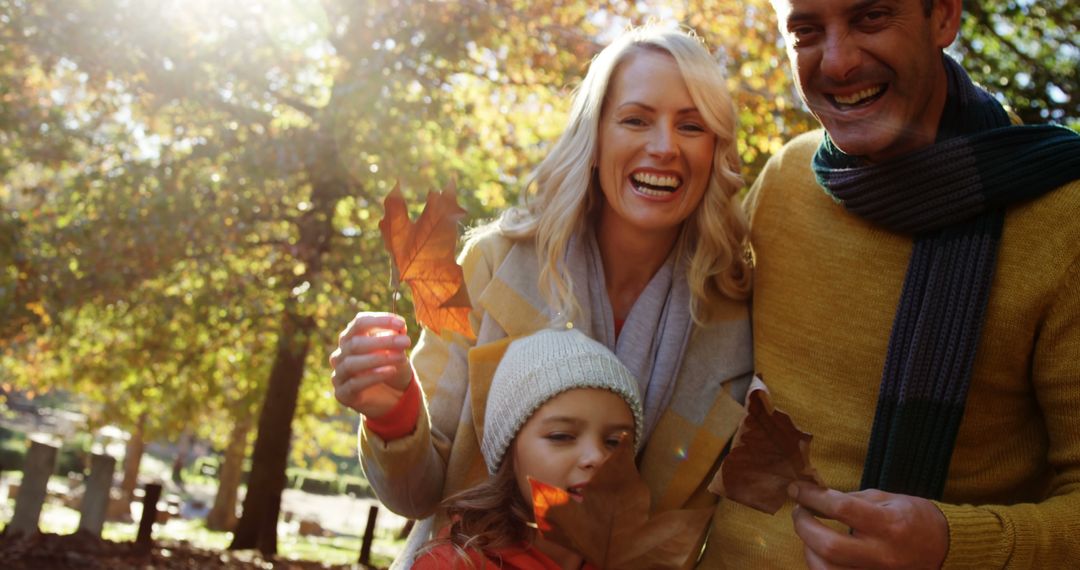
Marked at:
<point>916,307</point>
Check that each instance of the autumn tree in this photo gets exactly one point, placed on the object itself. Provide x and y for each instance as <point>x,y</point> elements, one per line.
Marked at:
<point>228,166</point>
<point>189,191</point>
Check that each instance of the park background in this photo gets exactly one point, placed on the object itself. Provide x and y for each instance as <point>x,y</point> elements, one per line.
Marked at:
<point>190,192</point>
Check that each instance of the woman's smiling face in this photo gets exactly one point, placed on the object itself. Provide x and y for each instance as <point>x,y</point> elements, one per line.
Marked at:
<point>655,152</point>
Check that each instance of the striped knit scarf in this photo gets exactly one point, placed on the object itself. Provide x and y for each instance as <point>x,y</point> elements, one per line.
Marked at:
<point>952,197</point>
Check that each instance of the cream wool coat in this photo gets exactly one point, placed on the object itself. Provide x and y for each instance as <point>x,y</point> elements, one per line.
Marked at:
<point>411,475</point>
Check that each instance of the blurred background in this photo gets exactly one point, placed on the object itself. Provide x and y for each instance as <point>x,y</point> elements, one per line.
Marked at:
<point>189,199</point>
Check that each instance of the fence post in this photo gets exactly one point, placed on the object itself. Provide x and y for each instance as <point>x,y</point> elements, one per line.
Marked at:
<point>38,466</point>
<point>96,496</point>
<point>369,536</point>
<point>144,541</point>
<point>406,529</point>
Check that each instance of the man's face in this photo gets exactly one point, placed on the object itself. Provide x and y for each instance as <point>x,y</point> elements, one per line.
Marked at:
<point>871,70</point>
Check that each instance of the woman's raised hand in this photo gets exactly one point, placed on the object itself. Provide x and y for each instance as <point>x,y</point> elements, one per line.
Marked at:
<point>371,371</point>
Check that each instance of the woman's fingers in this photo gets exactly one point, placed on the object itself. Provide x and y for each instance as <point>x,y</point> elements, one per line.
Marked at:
<point>370,369</point>
<point>367,322</point>
<point>363,339</point>
<point>386,362</point>
<point>368,393</point>
<point>367,344</point>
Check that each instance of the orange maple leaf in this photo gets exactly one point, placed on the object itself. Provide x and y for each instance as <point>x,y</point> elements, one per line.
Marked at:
<point>611,526</point>
<point>544,497</point>
<point>768,454</point>
<point>423,257</point>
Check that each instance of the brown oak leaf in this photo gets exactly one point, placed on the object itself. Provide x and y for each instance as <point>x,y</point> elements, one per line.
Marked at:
<point>611,526</point>
<point>423,257</point>
<point>768,454</point>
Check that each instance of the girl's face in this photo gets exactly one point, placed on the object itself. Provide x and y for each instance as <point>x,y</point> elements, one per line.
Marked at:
<point>655,151</point>
<point>571,435</point>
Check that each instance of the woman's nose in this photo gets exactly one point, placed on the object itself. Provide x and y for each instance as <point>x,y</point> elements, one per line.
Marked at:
<point>662,143</point>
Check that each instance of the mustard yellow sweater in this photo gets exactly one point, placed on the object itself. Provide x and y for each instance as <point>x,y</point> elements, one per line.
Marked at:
<point>825,292</point>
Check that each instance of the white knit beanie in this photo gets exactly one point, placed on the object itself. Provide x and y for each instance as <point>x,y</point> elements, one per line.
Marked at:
<point>541,366</point>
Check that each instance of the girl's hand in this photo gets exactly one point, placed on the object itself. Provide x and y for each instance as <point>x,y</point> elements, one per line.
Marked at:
<point>371,371</point>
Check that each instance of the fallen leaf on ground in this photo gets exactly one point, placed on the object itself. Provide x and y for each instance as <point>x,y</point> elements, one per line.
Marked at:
<point>611,526</point>
<point>768,454</point>
<point>423,256</point>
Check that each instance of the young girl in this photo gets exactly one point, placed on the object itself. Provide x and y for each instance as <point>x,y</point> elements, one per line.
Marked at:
<point>559,404</point>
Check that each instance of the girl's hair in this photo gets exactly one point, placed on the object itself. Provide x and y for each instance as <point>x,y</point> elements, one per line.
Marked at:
<point>488,516</point>
<point>563,194</point>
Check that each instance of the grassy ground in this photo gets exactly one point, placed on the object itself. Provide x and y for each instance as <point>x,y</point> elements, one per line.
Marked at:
<point>338,549</point>
<point>343,518</point>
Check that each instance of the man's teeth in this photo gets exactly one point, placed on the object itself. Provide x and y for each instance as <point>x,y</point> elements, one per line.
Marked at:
<point>655,184</point>
<point>857,96</point>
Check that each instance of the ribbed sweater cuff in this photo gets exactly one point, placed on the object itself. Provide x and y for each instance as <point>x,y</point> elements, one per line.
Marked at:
<point>400,421</point>
<point>978,538</point>
<point>401,452</point>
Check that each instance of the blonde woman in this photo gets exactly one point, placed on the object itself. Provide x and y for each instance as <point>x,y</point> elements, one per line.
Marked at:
<point>630,232</point>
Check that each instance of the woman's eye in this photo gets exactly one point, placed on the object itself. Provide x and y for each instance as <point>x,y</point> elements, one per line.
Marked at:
<point>559,437</point>
<point>693,128</point>
<point>633,121</point>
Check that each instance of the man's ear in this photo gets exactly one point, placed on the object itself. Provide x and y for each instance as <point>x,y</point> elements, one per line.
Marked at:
<point>945,21</point>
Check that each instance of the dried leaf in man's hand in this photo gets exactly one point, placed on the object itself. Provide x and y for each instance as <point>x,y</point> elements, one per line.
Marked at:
<point>768,454</point>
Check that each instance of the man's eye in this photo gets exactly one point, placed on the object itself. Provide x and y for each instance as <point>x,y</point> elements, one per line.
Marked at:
<point>873,19</point>
<point>802,34</point>
<point>874,16</point>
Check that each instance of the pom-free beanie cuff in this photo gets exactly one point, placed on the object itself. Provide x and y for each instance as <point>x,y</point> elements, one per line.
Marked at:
<point>541,366</point>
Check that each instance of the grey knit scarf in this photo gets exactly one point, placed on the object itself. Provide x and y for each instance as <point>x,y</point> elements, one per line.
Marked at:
<point>656,332</point>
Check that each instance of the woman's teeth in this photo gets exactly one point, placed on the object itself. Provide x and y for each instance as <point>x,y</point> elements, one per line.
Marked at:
<point>655,184</point>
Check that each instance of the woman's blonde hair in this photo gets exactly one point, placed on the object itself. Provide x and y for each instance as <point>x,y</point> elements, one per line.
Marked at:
<point>562,194</point>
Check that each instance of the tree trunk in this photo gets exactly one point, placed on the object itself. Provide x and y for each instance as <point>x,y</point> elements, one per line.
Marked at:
<point>257,527</point>
<point>183,448</point>
<point>222,516</point>
<point>330,181</point>
<point>133,453</point>
<point>120,508</point>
